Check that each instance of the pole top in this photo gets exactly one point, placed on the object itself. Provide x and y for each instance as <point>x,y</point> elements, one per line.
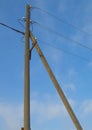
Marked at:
<point>29,6</point>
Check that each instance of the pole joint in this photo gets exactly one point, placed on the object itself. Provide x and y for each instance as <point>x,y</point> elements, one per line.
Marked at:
<point>30,50</point>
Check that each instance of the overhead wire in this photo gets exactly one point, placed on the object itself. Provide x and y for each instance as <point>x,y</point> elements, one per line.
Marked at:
<point>62,20</point>
<point>12,28</point>
<point>9,27</point>
<point>63,36</point>
<point>64,51</point>
<point>46,43</point>
<point>70,53</point>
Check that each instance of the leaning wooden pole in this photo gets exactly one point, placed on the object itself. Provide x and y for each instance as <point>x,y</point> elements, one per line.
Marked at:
<point>56,84</point>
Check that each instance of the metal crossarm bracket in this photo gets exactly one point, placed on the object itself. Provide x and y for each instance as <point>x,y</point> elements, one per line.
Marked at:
<point>30,50</point>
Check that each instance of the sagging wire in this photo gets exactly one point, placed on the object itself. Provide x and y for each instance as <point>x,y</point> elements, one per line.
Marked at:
<point>12,28</point>
<point>62,20</point>
<point>63,50</point>
<point>63,36</point>
<point>9,27</point>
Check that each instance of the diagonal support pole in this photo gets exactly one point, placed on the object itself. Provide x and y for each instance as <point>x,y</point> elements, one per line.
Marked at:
<point>56,84</point>
<point>27,83</point>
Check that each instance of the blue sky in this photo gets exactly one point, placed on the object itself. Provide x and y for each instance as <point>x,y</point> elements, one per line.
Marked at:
<point>72,72</point>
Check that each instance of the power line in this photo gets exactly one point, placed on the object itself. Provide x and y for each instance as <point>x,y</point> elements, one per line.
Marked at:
<point>49,30</point>
<point>64,51</point>
<point>62,20</point>
<point>12,28</point>
<point>63,36</point>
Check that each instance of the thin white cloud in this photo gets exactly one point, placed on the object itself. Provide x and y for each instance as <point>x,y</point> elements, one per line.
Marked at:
<point>49,109</point>
<point>56,56</point>
<point>90,64</point>
<point>45,110</point>
<point>70,86</point>
<point>12,115</point>
<point>71,73</point>
<point>87,107</point>
<point>67,81</point>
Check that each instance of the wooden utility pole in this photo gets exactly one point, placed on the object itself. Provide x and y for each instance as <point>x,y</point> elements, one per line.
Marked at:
<point>28,34</point>
<point>27,73</point>
<point>56,84</point>
<point>27,77</point>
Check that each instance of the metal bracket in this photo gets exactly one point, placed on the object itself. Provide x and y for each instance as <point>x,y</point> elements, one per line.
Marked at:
<point>30,50</point>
